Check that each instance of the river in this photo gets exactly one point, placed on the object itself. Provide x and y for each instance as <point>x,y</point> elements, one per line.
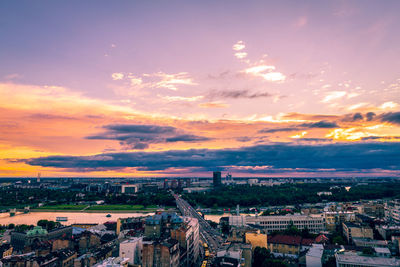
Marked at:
<point>73,217</point>
<point>81,217</point>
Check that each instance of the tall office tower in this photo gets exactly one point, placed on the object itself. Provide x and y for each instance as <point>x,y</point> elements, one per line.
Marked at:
<point>217,179</point>
<point>38,178</point>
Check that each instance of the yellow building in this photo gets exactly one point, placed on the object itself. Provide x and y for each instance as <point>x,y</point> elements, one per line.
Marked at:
<point>286,244</point>
<point>256,240</point>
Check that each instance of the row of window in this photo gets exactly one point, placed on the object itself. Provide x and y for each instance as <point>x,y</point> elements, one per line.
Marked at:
<point>295,223</point>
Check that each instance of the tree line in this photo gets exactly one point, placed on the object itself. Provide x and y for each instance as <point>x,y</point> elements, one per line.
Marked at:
<point>289,194</point>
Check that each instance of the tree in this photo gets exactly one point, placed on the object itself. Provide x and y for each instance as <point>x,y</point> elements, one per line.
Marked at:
<point>368,251</point>
<point>260,255</point>
<point>48,225</point>
<point>331,262</point>
<point>338,240</point>
<point>273,263</point>
<point>292,229</point>
<point>225,228</point>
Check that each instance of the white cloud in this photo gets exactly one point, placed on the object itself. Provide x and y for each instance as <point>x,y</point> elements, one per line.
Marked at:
<point>266,72</point>
<point>170,81</point>
<point>156,80</point>
<point>351,95</point>
<point>358,105</point>
<point>241,55</point>
<point>274,76</point>
<point>117,76</point>
<point>182,98</point>
<point>259,69</point>
<point>388,105</point>
<point>136,81</point>
<point>333,95</point>
<point>239,46</point>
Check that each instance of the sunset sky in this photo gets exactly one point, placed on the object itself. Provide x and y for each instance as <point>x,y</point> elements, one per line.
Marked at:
<point>182,88</point>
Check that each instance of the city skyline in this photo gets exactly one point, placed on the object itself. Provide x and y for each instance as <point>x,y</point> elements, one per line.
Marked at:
<point>183,89</point>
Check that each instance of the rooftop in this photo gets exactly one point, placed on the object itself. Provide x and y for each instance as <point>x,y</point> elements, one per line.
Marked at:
<point>290,240</point>
<point>37,230</point>
<point>316,251</point>
<point>353,258</point>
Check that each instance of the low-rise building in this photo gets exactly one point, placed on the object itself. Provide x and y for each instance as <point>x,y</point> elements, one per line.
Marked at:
<point>336,218</point>
<point>113,262</point>
<point>392,211</point>
<point>234,255</point>
<point>20,240</point>
<point>288,245</point>
<point>367,242</point>
<point>386,231</point>
<point>314,256</point>
<point>237,220</point>
<point>315,223</point>
<point>347,259</point>
<point>352,230</point>
<point>129,189</point>
<point>256,239</point>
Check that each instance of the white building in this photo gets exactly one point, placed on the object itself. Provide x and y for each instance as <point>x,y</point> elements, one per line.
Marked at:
<point>347,259</point>
<point>393,211</point>
<point>314,256</point>
<point>237,220</point>
<point>252,181</point>
<point>132,249</point>
<point>129,188</point>
<point>315,223</point>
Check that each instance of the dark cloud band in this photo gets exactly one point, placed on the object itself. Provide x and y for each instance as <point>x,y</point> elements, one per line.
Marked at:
<point>343,156</point>
<point>139,136</point>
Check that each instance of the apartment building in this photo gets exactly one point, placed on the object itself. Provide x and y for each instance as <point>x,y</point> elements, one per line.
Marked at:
<point>188,238</point>
<point>347,259</point>
<point>132,249</point>
<point>352,230</point>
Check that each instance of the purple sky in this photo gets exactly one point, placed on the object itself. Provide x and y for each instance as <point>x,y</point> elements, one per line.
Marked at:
<point>77,68</point>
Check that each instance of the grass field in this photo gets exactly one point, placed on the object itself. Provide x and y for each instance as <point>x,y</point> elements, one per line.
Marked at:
<point>122,207</point>
<point>62,207</point>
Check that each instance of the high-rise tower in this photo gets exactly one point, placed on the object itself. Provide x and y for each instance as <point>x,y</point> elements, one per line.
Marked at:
<point>217,179</point>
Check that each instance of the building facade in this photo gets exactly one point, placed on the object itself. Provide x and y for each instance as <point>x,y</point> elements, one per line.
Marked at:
<point>315,223</point>
<point>188,237</point>
<point>217,179</point>
<point>132,249</point>
<point>160,254</point>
